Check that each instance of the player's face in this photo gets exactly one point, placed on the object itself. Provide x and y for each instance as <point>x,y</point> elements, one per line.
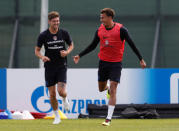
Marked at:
<point>54,23</point>
<point>105,20</point>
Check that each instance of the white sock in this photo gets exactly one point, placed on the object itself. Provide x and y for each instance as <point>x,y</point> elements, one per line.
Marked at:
<point>108,88</point>
<point>108,85</point>
<point>56,114</point>
<point>65,99</point>
<point>110,111</point>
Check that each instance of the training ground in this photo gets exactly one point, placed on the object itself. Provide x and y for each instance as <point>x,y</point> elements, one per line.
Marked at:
<point>91,125</point>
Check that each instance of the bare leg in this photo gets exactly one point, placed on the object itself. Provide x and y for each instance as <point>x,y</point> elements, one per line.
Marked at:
<point>62,89</point>
<point>102,85</point>
<point>113,90</point>
<point>63,93</point>
<point>53,100</point>
<point>54,104</point>
<point>112,99</point>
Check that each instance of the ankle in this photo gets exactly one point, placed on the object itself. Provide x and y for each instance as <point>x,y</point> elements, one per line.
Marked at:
<point>56,113</point>
<point>108,120</point>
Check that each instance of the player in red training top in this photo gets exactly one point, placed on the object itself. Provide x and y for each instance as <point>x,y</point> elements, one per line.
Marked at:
<point>112,37</point>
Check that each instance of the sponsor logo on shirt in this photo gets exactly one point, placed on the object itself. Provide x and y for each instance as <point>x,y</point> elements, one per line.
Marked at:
<point>55,47</point>
<point>53,42</point>
<point>106,42</point>
<point>54,37</point>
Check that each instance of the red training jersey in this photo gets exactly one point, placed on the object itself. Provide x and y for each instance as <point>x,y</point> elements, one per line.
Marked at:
<point>111,45</point>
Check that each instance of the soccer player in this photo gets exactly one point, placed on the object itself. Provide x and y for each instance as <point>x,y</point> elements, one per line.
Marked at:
<point>112,37</point>
<point>55,60</point>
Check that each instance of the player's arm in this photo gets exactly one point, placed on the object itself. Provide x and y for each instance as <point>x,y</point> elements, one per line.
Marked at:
<point>68,51</point>
<point>40,42</point>
<point>40,56</point>
<point>125,36</point>
<point>70,48</point>
<point>70,44</point>
<point>90,48</point>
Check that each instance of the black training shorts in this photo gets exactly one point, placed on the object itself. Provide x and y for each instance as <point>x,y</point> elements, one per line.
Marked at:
<point>55,75</point>
<point>109,71</point>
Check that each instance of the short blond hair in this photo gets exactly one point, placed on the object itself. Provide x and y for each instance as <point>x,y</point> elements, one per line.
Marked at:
<point>53,14</point>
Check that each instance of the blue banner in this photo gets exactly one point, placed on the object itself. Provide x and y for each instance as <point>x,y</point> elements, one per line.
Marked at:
<point>153,86</point>
<point>3,93</point>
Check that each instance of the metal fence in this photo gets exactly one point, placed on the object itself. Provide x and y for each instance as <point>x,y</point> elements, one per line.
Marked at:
<point>153,25</point>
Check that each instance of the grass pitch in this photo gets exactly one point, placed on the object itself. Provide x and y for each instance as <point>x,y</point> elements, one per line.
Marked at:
<point>91,125</point>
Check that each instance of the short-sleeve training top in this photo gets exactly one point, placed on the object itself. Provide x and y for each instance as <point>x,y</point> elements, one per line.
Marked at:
<point>53,44</point>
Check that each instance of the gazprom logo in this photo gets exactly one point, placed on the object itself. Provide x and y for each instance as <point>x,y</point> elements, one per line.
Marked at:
<point>37,97</point>
<point>174,85</point>
<point>41,103</point>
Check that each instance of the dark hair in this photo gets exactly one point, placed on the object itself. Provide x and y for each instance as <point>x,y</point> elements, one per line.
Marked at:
<point>108,12</point>
<point>52,15</point>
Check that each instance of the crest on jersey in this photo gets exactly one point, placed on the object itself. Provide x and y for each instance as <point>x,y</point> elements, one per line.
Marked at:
<point>106,42</point>
<point>54,37</point>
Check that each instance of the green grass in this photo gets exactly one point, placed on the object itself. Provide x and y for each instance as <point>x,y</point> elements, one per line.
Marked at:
<point>91,125</point>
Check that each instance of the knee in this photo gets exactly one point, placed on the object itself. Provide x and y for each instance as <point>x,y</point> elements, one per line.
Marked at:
<point>102,86</point>
<point>62,93</point>
<point>53,96</point>
<point>112,92</point>
<point>101,89</point>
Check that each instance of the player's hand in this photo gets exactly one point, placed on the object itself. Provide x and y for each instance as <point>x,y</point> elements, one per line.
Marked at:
<point>63,53</point>
<point>143,64</point>
<point>45,58</point>
<point>76,59</point>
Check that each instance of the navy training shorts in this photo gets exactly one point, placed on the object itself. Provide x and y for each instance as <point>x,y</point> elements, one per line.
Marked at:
<point>55,75</point>
<point>109,71</point>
